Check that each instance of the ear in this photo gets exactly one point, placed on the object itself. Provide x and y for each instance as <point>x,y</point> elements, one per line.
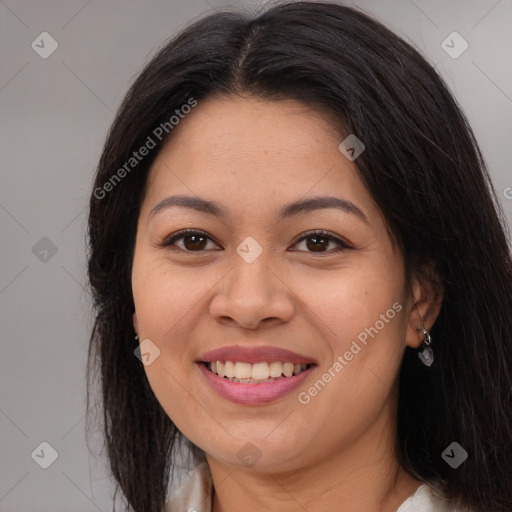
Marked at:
<point>425,301</point>
<point>135,323</point>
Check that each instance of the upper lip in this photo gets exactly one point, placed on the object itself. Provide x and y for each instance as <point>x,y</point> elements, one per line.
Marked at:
<point>255,354</point>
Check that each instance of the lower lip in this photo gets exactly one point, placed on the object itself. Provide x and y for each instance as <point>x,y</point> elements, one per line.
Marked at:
<point>253,394</point>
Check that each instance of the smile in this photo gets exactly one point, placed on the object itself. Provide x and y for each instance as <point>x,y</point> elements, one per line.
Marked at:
<point>255,373</point>
<point>249,391</point>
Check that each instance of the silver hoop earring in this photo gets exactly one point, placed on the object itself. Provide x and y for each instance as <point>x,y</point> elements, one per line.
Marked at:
<point>426,355</point>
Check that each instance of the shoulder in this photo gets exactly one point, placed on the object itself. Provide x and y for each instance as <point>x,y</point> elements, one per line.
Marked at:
<point>428,499</point>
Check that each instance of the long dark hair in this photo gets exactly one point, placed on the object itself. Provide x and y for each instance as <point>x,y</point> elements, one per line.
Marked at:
<point>422,166</point>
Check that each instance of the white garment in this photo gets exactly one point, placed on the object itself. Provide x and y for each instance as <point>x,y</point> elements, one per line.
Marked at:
<point>195,495</point>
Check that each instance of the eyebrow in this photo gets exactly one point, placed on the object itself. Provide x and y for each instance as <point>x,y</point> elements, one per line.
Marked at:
<point>288,210</point>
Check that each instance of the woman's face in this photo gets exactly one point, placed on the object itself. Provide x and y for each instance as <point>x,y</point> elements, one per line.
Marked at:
<point>259,279</point>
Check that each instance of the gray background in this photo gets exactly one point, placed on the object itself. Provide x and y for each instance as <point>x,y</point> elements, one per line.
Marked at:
<point>55,113</point>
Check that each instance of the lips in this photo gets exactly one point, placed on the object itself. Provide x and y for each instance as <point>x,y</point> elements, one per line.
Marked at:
<point>256,354</point>
<point>261,386</point>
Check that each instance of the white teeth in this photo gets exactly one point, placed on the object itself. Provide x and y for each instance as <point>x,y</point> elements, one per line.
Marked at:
<point>288,369</point>
<point>276,369</point>
<point>258,372</point>
<point>242,370</point>
<point>229,369</point>
<point>251,381</point>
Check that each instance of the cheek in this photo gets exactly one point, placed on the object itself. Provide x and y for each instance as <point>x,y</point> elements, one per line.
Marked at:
<point>360,314</point>
<point>166,298</point>
<point>352,303</point>
<point>364,328</point>
<point>168,304</point>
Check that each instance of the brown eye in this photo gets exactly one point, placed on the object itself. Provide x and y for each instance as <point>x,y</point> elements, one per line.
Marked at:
<point>317,243</point>
<point>322,242</point>
<point>189,241</point>
<point>194,242</point>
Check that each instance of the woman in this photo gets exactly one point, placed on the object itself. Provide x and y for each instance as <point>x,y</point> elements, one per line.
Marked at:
<point>299,270</point>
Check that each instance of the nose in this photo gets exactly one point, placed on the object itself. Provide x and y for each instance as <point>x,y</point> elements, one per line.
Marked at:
<point>252,295</point>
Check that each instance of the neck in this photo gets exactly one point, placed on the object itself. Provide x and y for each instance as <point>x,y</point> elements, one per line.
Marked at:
<point>362,476</point>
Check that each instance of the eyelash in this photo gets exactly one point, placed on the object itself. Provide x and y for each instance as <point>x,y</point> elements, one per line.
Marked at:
<point>169,242</point>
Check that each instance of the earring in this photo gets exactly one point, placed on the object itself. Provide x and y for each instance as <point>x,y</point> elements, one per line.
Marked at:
<point>135,323</point>
<point>426,355</point>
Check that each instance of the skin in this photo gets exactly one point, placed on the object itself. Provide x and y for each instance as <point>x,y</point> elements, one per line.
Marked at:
<point>253,156</point>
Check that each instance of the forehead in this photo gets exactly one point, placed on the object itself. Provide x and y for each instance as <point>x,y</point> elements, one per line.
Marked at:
<point>248,116</point>
<point>254,150</point>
